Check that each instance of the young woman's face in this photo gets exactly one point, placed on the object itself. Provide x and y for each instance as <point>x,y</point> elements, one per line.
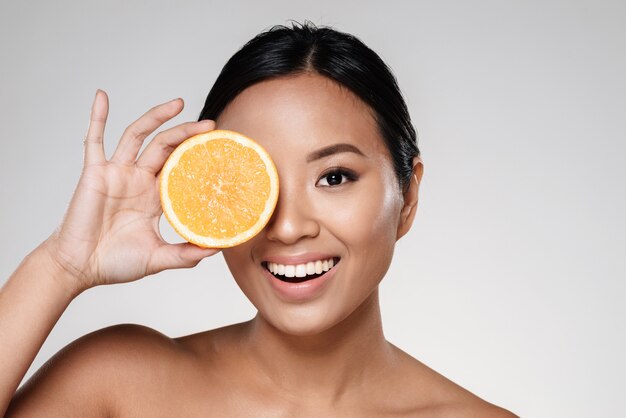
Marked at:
<point>339,200</point>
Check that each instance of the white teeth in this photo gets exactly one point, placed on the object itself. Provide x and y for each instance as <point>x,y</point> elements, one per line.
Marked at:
<point>290,271</point>
<point>301,270</point>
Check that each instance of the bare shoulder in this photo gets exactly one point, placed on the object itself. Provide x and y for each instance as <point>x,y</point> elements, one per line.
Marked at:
<point>428,393</point>
<point>86,376</point>
<point>470,410</point>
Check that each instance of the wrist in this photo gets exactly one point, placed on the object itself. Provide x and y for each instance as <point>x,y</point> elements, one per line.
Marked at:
<point>50,262</point>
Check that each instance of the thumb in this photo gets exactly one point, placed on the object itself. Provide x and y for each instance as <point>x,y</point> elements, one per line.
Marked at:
<point>183,255</point>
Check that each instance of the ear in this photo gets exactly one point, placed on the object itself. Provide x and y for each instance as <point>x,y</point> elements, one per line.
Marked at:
<point>410,199</point>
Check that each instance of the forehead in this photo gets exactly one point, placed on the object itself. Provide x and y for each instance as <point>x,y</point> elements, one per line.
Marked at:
<point>307,110</point>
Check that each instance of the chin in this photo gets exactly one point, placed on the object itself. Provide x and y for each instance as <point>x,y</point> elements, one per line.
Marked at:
<point>303,320</point>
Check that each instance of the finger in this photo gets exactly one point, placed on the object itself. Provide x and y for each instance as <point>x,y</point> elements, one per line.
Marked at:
<point>154,155</point>
<point>183,255</point>
<point>93,143</point>
<point>134,135</point>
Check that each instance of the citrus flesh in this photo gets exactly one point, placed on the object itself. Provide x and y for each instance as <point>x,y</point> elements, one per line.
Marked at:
<point>218,189</point>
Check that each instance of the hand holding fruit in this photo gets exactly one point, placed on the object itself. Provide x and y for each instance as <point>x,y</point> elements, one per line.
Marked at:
<point>110,232</point>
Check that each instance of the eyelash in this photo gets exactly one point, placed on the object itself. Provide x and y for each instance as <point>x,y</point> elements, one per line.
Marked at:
<point>348,175</point>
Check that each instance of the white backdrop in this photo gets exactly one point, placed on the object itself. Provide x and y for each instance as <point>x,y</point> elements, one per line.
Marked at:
<point>510,283</point>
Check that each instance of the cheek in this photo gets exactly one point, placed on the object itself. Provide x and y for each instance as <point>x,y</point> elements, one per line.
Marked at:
<point>379,220</point>
<point>366,219</point>
<point>238,260</point>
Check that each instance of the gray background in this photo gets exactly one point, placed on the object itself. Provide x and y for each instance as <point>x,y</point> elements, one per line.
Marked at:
<point>511,282</point>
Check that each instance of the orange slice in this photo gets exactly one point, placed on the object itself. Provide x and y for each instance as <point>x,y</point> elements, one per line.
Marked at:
<point>218,189</point>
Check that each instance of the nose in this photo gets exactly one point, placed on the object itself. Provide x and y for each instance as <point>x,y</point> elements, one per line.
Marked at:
<point>293,219</point>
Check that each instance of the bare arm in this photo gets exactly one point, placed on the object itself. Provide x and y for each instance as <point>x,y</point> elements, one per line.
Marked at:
<point>110,234</point>
<point>31,302</point>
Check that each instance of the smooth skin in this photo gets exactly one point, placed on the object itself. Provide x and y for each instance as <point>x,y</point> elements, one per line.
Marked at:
<point>323,356</point>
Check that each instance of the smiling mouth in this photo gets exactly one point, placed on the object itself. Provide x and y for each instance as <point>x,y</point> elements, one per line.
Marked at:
<point>297,273</point>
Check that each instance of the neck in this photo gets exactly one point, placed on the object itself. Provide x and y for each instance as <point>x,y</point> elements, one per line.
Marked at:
<point>326,364</point>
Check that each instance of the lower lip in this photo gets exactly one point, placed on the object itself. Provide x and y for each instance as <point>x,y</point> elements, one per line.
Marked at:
<point>300,292</point>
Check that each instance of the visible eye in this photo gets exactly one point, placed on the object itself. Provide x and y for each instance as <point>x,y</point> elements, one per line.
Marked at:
<point>336,177</point>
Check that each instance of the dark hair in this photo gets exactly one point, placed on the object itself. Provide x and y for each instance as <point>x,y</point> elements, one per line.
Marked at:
<point>283,50</point>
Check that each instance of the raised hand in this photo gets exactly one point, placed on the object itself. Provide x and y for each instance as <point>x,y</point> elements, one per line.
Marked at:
<point>110,233</point>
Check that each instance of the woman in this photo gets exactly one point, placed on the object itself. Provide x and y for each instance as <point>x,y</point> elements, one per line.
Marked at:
<point>330,114</point>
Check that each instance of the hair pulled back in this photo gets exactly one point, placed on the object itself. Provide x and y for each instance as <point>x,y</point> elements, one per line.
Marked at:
<point>301,48</point>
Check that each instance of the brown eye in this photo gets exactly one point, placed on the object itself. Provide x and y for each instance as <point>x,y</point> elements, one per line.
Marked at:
<point>336,178</point>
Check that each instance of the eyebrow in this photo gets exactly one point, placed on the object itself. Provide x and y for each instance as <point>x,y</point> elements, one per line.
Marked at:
<point>333,149</point>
